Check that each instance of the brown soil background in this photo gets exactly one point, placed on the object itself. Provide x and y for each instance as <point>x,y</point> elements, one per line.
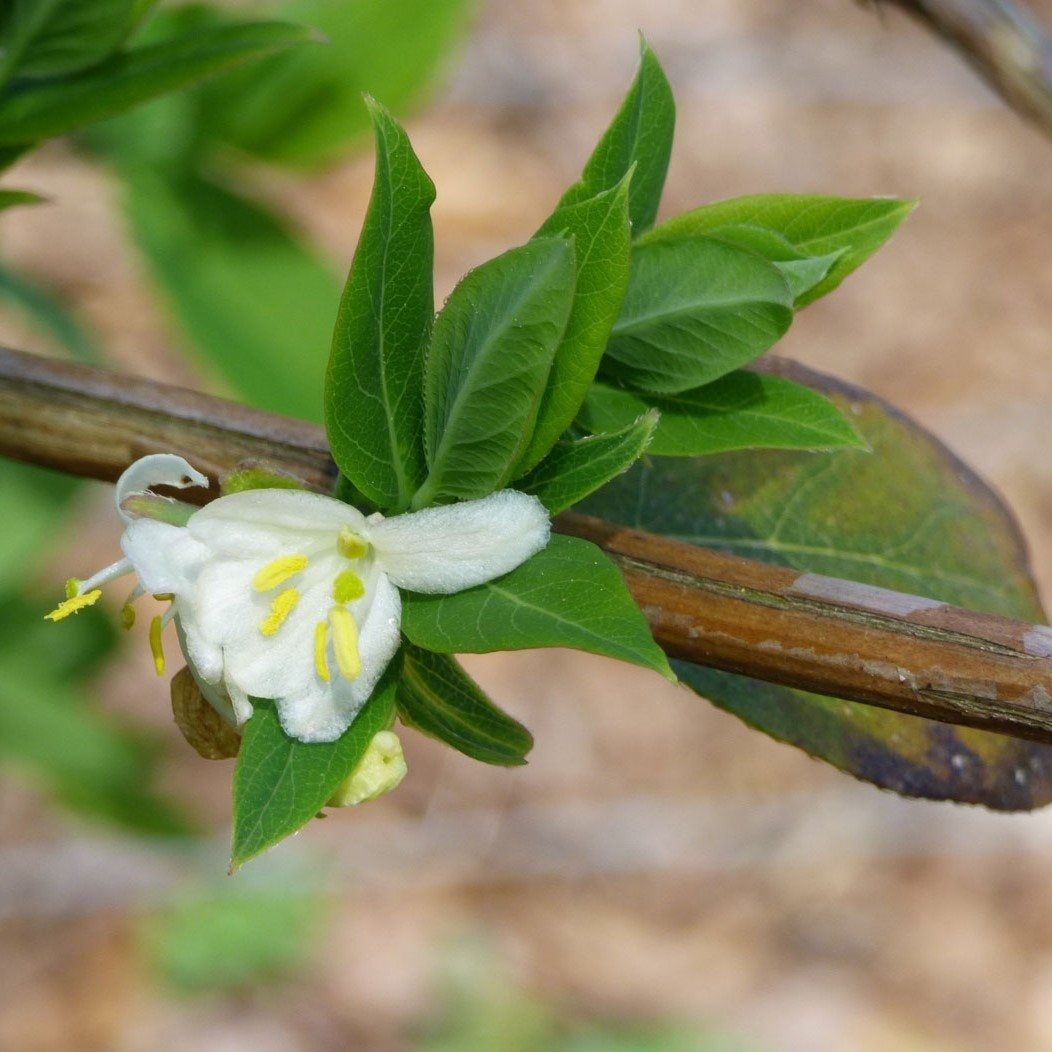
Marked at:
<point>655,860</point>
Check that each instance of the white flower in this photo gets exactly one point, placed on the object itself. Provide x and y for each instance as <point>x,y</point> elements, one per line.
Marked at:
<point>293,596</point>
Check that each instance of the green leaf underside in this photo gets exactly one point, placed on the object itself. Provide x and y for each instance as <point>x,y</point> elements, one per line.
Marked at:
<point>438,698</point>
<point>304,107</point>
<point>640,135</point>
<point>801,272</point>
<point>248,295</point>
<point>373,406</point>
<point>281,783</point>
<point>907,516</point>
<point>742,410</point>
<point>814,225</point>
<point>568,595</point>
<point>491,353</point>
<point>696,308</point>
<point>45,38</point>
<point>54,107</point>
<point>574,469</point>
<point>602,235</point>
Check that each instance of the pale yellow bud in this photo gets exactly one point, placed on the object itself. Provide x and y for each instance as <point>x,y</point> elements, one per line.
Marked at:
<point>379,771</point>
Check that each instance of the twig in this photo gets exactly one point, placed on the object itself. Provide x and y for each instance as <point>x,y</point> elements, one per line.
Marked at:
<point>1006,45</point>
<point>834,637</point>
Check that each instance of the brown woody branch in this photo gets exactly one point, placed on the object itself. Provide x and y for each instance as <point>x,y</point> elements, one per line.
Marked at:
<point>834,637</point>
<point>1009,48</point>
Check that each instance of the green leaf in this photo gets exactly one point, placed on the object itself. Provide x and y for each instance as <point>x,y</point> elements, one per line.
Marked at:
<point>801,272</point>
<point>11,198</point>
<point>47,38</point>
<point>576,468</point>
<point>568,595</point>
<point>373,407</point>
<point>639,137</point>
<point>48,314</point>
<point>491,353</point>
<point>907,516</point>
<point>280,784</point>
<point>438,698</point>
<point>695,309</point>
<point>602,238</point>
<point>743,410</point>
<point>54,107</point>
<point>855,227</point>
<point>304,107</point>
<point>251,298</point>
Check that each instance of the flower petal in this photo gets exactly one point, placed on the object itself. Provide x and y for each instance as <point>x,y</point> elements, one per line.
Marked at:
<point>158,469</point>
<point>270,520</point>
<point>166,557</point>
<point>379,636</point>
<point>450,548</point>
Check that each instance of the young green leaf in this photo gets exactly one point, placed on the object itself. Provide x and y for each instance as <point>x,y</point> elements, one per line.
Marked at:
<point>491,353</point>
<point>695,309</point>
<point>640,136</point>
<point>373,406</point>
<point>54,107</point>
<point>855,227</point>
<point>574,469</point>
<point>568,595</point>
<point>801,272</point>
<point>280,783</point>
<point>438,698</point>
<point>48,38</point>
<point>742,410</point>
<point>602,238</point>
<point>247,294</point>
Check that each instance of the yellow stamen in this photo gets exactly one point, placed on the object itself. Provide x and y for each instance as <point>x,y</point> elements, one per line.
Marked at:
<point>347,587</point>
<point>157,646</point>
<point>164,597</point>
<point>321,638</point>
<point>128,615</point>
<point>350,545</point>
<point>72,588</point>
<point>283,605</point>
<point>345,642</point>
<point>73,604</point>
<point>278,572</point>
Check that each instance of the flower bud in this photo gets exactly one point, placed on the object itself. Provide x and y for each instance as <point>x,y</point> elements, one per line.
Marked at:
<point>379,771</point>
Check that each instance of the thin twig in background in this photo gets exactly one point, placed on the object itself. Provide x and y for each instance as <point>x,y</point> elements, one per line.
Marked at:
<point>840,638</point>
<point>1008,46</point>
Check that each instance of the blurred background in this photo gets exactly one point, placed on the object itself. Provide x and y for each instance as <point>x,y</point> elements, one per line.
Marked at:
<point>658,877</point>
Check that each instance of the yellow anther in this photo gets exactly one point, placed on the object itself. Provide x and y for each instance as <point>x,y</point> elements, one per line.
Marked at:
<point>157,645</point>
<point>73,604</point>
<point>72,588</point>
<point>345,642</point>
<point>164,597</point>
<point>350,545</point>
<point>321,639</point>
<point>347,587</point>
<point>283,605</point>
<point>278,572</point>
<point>128,615</point>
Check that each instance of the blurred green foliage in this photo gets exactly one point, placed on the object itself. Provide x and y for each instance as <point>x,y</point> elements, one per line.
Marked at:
<point>233,936</point>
